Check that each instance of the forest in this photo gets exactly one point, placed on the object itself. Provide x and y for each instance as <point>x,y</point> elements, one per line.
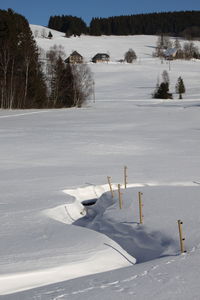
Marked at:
<point>183,23</point>
<point>23,82</point>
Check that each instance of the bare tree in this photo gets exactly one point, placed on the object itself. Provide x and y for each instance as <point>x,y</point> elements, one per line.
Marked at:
<point>177,44</point>
<point>36,32</point>
<point>165,77</point>
<point>130,56</point>
<point>190,50</point>
<point>83,84</point>
<point>163,43</point>
<point>12,86</point>
<point>43,33</point>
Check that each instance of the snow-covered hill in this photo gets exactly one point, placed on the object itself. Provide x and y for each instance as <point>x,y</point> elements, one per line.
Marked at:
<point>88,46</point>
<point>120,81</point>
<point>39,31</point>
<point>52,247</point>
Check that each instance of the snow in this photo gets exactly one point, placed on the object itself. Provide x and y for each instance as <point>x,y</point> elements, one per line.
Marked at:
<point>42,32</point>
<point>53,161</point>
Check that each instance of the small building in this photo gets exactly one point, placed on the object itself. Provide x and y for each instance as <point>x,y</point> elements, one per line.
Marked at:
<point>101,57</point>
<point>74,58</point>
<point>170,53</point>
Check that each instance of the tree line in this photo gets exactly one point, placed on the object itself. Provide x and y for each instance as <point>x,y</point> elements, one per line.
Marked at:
<point>68,24</point>
<point>21,80</point>
<point>183,23</point>
<point>24,81</point>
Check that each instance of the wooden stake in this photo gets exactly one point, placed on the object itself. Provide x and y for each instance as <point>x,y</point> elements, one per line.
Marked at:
<point>110,185</point>
<point>120,197</point>
<point>180,223</point>
<point>140,207</point>
<point>125,177</point>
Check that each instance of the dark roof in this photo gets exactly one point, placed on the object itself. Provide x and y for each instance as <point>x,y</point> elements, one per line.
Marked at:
<point>101,55</point>
<point>75,53</point>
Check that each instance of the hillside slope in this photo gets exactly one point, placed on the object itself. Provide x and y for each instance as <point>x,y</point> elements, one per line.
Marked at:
<point>52,160</point>
<point>118,81</point>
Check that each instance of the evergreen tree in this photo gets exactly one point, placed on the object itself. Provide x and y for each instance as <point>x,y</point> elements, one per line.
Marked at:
<point>180,87</point>
<point>19,65</point>
<point>162,91</point>
<point>172,23</point>
<point>67,87</point>
<point>95,27</point>
<point>68,24</point>
<point>50,35</point>
<point>185,23</point>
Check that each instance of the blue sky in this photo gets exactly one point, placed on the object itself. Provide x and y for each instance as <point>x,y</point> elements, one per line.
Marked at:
<point>39,11</point>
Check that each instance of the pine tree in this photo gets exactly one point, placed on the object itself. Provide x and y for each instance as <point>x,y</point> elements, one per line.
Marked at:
<point>162,91</point>
<point>63,86</point>
<point>19,65</point>
<point>66,87</point>
<point>180,87</point>
<point>183,23</point>
<point>95,27</point>
<point>50,35</point>
<point>58,69</point>
<point>68,24</point>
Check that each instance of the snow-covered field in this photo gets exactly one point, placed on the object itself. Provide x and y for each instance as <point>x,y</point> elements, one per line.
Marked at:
<point>52,247</point>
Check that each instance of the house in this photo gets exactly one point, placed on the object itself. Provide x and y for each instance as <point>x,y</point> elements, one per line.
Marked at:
<point>74,58</point>
<point>170,53</point>
<point>101,57</point>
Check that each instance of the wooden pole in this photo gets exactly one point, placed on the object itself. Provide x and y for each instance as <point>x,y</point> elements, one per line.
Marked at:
<point>110,185</point>
<point>169,66</point>
<point>120,197</point>
<point>93,91</point>
<point>180,223</point>
<point>140,207</point>
<point>125,177</point>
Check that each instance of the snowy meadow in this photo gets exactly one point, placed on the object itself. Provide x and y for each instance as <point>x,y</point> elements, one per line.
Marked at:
<point>54,161</point>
